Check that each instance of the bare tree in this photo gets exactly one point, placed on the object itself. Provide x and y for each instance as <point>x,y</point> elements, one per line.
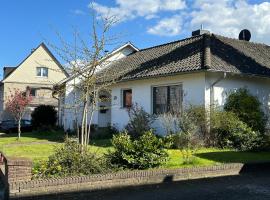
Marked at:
<point>90,72</point>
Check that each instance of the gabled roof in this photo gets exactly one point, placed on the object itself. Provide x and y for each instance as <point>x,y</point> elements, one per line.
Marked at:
<point>109,55</point>
<point>12,69</point>
<point>207,52</point>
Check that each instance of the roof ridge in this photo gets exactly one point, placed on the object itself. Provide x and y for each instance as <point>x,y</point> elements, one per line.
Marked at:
<point>206,61</point>
<point>244,41</point>
<point>160,45</point>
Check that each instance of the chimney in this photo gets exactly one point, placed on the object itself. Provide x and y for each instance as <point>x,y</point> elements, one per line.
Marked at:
<point>200,32</point>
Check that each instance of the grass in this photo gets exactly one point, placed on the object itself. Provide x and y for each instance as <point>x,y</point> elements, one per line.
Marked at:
<point>38,146</point>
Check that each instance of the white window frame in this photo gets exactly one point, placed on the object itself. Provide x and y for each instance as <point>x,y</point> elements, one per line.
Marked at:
<point>42,72</point>
<point>122,97</point>
<point>165,85</point>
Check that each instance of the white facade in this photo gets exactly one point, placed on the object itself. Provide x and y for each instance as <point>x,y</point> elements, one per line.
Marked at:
<point>199,88</point>
<point>70,107</point>
<point>204,88</point>
<point>193,85</point>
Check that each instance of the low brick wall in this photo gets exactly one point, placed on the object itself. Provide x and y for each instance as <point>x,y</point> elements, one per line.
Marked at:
<point>13,170</point>
<point>19,169</point>
<point>38,188</point>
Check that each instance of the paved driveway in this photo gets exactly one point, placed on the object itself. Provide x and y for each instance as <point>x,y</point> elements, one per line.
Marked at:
<point>246,187</point>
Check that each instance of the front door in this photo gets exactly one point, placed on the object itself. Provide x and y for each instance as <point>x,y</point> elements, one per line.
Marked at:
<point>104,112</point>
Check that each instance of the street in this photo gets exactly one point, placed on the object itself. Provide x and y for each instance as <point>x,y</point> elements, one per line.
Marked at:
<point>248,186</point>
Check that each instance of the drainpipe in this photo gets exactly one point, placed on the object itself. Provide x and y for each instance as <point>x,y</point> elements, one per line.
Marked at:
<point>212,100</point>
<point>212,88</point>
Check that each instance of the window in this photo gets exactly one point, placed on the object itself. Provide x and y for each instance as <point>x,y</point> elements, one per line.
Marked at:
<point>42,71</point>
<point>33,92</point>
<point>167,99</point>
<point>127,98</point>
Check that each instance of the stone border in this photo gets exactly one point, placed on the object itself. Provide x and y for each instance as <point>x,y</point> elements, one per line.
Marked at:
<point>120,179</point>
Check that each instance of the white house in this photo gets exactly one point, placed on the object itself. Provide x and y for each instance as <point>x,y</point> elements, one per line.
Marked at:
<point>200,70</point>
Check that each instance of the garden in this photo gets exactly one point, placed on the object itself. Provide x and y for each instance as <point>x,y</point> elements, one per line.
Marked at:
<point>235,134</point>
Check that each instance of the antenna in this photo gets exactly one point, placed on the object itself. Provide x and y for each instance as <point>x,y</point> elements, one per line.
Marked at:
<point>201,26</point>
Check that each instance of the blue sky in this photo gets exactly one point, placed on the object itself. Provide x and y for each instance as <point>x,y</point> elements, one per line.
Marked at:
<point>26,23</point>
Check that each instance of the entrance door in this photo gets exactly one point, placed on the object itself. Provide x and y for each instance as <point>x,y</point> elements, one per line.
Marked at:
<point>104,113</point>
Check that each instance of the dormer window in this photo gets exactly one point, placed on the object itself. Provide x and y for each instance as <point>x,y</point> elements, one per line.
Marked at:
<point>42,71</point>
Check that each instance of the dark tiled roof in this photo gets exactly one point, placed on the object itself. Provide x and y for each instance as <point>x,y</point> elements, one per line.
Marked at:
<point>204,52</point>
<point>8,71</point>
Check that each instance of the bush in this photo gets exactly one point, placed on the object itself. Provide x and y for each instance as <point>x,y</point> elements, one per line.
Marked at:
<point>145,152</point>
<point>139,121</point>
<point>188,156</point>
<point>104,132</point>
<point>247,108</point>
<point>185,132</point>
<point>44,116</point>
<point>231,132</point>
<point>69,160</point>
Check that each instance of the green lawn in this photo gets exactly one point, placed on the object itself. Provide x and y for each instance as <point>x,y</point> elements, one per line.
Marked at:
<point>38,146</point>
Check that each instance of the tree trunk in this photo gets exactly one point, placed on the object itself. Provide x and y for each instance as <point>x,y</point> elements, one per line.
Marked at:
<point>19,129</point>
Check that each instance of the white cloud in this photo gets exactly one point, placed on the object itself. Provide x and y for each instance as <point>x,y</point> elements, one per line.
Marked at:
<point>78,12</point>
<point>225,17</point>
<point>130,9</point>
<point>228,17</point>
<point>167,26</point>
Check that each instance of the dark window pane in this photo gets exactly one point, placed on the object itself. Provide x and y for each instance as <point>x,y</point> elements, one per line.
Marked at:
<point>33,92</point>
<point>167,99</point>
<point>160,100</point>
<point>127,98</point>
<point>175,99</point>
<point>45,71</point>
<point>38,71</point>
<point>42,71</point>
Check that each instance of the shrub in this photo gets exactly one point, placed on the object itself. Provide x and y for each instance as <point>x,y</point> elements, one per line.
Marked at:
<point>145,152</point>
<point>247,108</point>
<point>188,156</point>
<point>44,116</point>
<point>198,116</point>
<point>139,121</point>
<point>231,132</point>
<point>185,132</point>
<point>104,132</point>
<point>69,160</point>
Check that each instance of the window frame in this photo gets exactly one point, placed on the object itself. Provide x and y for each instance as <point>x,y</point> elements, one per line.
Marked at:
<point>153,111</point>
<point>123,100</point>
<point>42,72</point>
<point>35,92</point>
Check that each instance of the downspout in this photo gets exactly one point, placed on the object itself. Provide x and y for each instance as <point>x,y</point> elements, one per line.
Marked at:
<point>212,104</point>
<point>207,65</point>
<point>212,88</point>
<point>54,93</point>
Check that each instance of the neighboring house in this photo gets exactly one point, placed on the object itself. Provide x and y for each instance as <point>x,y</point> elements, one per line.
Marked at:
<point>200,70</point>
<point>38,72</point>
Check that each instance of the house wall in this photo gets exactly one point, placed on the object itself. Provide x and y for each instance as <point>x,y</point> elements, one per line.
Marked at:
<point>43,96</point>
<point>70,106</point>
<point>198,88</point>
<point>26,72</point>
<point>258,86</point>
<point>193,88</point>
<point>25,76</point>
